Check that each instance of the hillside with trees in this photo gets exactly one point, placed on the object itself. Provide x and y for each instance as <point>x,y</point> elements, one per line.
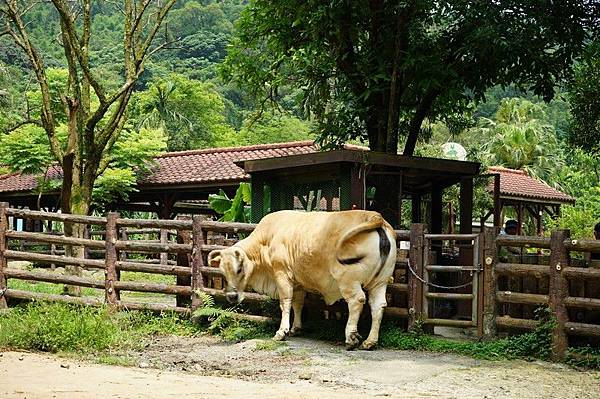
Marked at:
<point>521,90</point>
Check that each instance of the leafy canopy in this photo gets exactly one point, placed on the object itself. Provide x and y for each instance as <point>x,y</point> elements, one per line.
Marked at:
<point>374,69</point>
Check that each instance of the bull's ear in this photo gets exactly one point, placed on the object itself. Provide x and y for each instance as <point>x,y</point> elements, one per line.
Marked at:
<point>214,258</point>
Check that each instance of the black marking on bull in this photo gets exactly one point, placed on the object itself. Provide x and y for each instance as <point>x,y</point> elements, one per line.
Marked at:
<point>384,248</point>
<point>384,251</point>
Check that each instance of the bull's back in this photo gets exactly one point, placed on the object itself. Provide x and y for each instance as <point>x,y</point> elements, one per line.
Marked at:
<point>308,242</point>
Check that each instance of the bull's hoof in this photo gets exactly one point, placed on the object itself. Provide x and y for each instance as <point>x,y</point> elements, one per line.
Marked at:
<point>368,345</point>
<point>280,335</point>
<point>353,341</point>
<point>295,331</point>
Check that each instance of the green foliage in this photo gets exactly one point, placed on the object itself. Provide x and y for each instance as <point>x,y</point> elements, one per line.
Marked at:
<point>587,357</point>
<point>581,179</point>
<point>533,345</point>
<point>222,321</point>
<point>114,184</point>
<point>233,210</point>
<point>60,327</point>
<point>584,96</point>
<point>26,149</point>
<point>350,60</point>
<point>272,128</point>
<point>136,149</point>
<point>132,155</point>
<point>192,113</point>
<point>520,137</point>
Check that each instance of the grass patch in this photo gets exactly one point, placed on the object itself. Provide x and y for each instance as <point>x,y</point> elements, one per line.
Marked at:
<point>49,288</point>
<point>270,345</point>
<point>58,327</point>
<point>148,277</point>
<point>532,345</point>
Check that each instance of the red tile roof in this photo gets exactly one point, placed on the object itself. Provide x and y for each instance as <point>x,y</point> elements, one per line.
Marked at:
<point>189,167</point>
<point>517,183</point>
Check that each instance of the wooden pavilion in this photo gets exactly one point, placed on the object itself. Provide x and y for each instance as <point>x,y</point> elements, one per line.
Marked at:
<point>525,195</point>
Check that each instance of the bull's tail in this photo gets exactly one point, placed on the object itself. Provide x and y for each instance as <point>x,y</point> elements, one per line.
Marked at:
<point>375,223</point>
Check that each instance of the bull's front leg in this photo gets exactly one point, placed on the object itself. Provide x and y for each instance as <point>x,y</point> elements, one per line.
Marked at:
<point>377,303</point>
<point>285,289</point>
<point>355,297</point>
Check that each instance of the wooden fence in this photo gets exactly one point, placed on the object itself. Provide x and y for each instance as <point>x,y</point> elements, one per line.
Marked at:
<point>568,286</point>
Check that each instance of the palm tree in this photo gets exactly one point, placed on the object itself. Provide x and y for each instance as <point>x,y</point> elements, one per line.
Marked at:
<point>519,137</point>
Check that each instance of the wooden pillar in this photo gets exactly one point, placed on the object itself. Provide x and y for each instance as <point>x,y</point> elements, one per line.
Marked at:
<point>183,259</point>
<point>415,287</point>
<point>520,219</point>
<point>164,238</point>
<point>258,198</point>
<point>198,241</point>
<point>466,206</point>
<point>436,209</point>
<point>466,218</point>
<point>111,294</point>
<point>558,291</point>
<point>416,208</point>
<point>3,247</point>
<point>490,258</point>
<point>357,187</point>
<point>497,202</point>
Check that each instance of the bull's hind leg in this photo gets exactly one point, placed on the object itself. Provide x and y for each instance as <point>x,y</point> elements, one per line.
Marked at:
<point>355,297</point>
<point>285,289</point>
<point>297,305</point>
<point>377,303</point>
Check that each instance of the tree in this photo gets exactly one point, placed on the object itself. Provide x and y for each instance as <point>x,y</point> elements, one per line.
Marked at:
<point>191,112</point>
<point>372,69</point>
<point>584,96</point>
<point>94,110</point>
<point>520,137</point>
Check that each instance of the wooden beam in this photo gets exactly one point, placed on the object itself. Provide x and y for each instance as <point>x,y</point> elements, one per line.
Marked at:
<point>497,202</point>
<point>416,208</point>
<point>436,210</point>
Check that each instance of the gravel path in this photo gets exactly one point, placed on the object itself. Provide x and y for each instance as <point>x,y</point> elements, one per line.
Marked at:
<point>205,367</point>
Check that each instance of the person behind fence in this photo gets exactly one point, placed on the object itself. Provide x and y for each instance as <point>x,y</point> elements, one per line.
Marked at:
<point>511,228</point>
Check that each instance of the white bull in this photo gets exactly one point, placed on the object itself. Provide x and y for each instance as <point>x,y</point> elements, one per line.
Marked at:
<point>336,254</point>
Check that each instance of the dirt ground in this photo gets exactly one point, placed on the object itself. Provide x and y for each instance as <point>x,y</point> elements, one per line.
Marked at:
<point>206,367</point>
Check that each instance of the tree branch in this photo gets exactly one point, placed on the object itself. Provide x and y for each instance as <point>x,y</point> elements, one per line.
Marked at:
<point>415,123</point>
<point>23,41</point>
<point>80,52</point>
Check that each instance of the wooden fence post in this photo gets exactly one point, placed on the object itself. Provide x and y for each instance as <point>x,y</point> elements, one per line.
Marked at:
<point>3,247</point>
<point>111,275</point>
<point>415,287</point>
<point>197,261</point>
<point>490,258</point>
<point>558,291</point>
<point>183,259</point>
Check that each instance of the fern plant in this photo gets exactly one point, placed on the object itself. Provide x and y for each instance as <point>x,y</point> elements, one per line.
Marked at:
<point>219,318</point>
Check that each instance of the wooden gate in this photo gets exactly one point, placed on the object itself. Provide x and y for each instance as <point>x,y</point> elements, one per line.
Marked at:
<point>444,282</point>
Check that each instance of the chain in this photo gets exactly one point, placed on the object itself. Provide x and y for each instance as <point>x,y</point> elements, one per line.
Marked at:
<point>435,285</point>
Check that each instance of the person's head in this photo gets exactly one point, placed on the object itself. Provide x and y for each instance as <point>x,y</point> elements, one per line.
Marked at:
<point>597,231</point>
<point>511,227</point>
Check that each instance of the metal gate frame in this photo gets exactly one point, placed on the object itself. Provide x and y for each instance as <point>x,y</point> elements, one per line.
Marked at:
<point>476,270</point>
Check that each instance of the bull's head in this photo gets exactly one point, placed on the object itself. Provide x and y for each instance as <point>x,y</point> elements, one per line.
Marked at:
<point>237,268</point>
